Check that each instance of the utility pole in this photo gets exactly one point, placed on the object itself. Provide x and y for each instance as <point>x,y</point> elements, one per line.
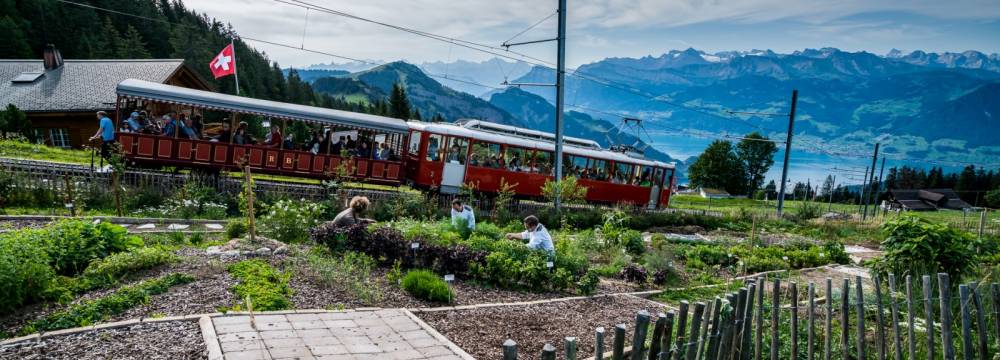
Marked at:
<point>560,91</point>
<point>871,183</point>
<point>788,150</point>
<point>864,187</point>
<point>560,40</point>
<point>878,189</point>
<point>829,193</point>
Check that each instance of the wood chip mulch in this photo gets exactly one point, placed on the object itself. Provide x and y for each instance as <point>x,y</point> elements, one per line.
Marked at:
<point>162,340</point>
<point>480,332</point>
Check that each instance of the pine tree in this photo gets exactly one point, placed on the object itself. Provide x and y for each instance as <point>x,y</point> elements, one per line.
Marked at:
<point>132,46</point>
<point>109,39</point>
<point>416,115</point>
<point>399,104</point>
<point>15,45</point>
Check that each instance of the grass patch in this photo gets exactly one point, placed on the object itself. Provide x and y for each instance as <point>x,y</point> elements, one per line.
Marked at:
<point>698,293</point>
<point>262,285</point>
<point>425,284</point>
<point>349,271</point>
<point>25,150</point>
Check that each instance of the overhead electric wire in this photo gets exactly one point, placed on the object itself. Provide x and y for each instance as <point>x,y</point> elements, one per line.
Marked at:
<point>531,27</point>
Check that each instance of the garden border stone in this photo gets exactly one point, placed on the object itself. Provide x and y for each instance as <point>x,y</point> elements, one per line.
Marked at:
<point>211,338</point>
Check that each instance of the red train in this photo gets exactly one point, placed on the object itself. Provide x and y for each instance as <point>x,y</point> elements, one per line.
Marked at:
<point>442,156</point>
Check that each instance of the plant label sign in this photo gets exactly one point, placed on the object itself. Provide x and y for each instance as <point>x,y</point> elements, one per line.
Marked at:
<point>414,245</point>
<point>549,264</point>
<point>69,205</point>
<point>449,277</point>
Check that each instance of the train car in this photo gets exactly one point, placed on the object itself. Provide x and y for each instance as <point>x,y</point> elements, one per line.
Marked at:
<point>482,154</point>
<point>154,149</point>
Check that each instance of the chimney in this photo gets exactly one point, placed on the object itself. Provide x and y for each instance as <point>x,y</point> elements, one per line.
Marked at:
<point>53,59</point>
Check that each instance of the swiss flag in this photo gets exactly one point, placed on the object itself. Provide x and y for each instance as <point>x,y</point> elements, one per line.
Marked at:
<point>224,63</point>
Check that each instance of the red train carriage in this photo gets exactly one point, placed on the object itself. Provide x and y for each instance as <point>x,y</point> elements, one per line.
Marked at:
<point>437,155</point>
<point>481,153</point>
<point>221,153</point>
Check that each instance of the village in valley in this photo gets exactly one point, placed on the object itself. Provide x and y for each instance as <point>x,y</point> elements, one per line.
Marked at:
<point>169,191</point>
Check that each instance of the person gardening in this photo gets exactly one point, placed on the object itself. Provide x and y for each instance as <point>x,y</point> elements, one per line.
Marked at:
<point>461,212</point>
<point>354,212</point>
<point>536,234</point>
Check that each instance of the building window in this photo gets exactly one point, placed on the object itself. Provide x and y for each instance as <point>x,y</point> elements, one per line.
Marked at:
<point>60,137</point>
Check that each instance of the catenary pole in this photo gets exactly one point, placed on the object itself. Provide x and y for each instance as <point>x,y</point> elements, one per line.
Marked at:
<point>829,193</point>
<point>560,91</point>
<point>871,183</point>
<point>878,187</point>
<point>788,150</point>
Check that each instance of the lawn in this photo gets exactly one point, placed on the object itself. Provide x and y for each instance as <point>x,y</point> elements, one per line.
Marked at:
<point>24,150</point>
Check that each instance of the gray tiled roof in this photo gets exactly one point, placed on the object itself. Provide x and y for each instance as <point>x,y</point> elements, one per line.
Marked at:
<point>79,85</point>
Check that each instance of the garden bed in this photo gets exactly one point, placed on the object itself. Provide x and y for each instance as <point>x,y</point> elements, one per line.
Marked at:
<point>159,340</point>
<point>481,331</point>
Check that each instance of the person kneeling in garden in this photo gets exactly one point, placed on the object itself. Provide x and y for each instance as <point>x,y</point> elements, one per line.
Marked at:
<point>461,212</point>
<point>536,234</point>
<point>354,212</point>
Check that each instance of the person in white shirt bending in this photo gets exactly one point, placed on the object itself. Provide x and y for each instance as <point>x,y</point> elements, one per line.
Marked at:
<point>460,211</point>
<point>536,234</point>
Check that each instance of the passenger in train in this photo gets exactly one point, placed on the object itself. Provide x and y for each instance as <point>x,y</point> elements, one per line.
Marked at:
<point>226,135</point>
<point>273,139</point>
<point>433,149</point>
<point>338,147</point>
<point>132,123</point>
<point>515,163</point>
<point>199,126</point>
<point>474,159</point>
<point>241,137</point>
<point>384,153</point>
<point>169,126</point>
<point>189,130</point>
<point>494,162</point>
<point>289,142</point>
<point>455,154</point>
<point>536,234</point>
<point>363,151</point>
<point>351,144</point>
<point>327,143</point>
<point>462,212</point>
<point>313,145</point>
<point>354,213</point>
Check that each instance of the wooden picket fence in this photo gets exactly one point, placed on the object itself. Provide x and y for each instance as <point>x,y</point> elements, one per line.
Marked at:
<point>749,324</point>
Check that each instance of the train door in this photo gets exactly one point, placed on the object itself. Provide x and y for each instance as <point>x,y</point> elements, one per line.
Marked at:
<point>453,175</point>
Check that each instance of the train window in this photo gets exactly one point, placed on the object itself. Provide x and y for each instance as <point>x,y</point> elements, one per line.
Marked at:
<point>434,142</point>
<point>485,154</point>
<point>543,162</point>
<point>623,173</point>
<point>517,159</point>
<point>414,143</point>
<point>575,166</point>
<point>644,176</point>
<point>458,148</point>
<point>599,169</point>
<point>658,177</point>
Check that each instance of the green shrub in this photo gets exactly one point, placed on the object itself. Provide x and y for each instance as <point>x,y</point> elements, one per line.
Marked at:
<point>236,229</point>
<point>424,284</point>
<point>266,287</point>
<point>73,244</point>
<point>25,274</point>
<point>588,283</point>
<point>110,270</point>
<point>289,221</point>
<point>633,243</point>
<point>93,311</point>
<point>914,246</point>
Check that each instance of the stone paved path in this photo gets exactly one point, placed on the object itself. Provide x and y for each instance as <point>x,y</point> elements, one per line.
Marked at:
<point>380,334</point>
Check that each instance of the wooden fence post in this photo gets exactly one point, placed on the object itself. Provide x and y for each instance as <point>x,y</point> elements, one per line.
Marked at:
<point>944,294</point>
<point>828,339</point>
<point>703,341</point>
<point>741,306</point>
<point>995,290</point>
<point>794,330</point>
<point>618,347</point>
<point>681,325</point>
<point>655,342</point>
<point>713,340</point>
<point>639,334</point>
<point>748,322</point>
<point>911,342</point>
<point>861,316</point>
<point>928,315</point>
<point>509,350</point>
<point>548,352</point>
<point>980,322</point>
<point>845,346</point>
<point>599,344</point>
<point>759,325</point>
<point>879,319</point>
<point>725,350</point>
<point>775,310</point>
<point>963,293</point>
<point>897,342</point>
<point>692,345</point>
<point>668,330</point>
<point>811,320</point>
<point>570,348</point>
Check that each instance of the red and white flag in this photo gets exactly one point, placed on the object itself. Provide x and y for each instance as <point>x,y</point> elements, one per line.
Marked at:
<point>224,63</point>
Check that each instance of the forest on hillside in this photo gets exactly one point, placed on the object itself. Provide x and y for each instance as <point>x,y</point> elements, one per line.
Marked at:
<point>160,29</point>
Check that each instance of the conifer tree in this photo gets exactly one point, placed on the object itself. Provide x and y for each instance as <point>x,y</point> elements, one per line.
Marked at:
<point>106,47</point>
<point>132,46</point>
<point>15,46</point>
<point>399,105</point>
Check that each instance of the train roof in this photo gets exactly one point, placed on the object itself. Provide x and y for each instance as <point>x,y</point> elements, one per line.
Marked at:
<point>140,89</point>
<point>530,143</point>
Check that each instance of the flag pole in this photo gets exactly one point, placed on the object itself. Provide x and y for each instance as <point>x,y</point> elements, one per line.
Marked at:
<point>236,76</point>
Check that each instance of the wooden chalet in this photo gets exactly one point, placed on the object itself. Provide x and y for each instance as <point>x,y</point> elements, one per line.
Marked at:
<point>926,200</point>
<point>61,97</point>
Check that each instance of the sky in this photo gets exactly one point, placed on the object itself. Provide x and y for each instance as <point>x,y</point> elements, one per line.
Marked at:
<point>598,29</point>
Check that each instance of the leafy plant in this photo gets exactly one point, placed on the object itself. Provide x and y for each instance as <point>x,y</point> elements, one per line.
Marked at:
<point>93,311</point>
<point>72,244</point>
<point>634,273</point>
<point>110,270</point>
<point>914,246</point>
<point>289,221</point>
<point>25,274</point>
<point>426,285</point>
<point>568,189</point>
<point>266,287</point>
<point>588,283</point>
<point>236,229</point>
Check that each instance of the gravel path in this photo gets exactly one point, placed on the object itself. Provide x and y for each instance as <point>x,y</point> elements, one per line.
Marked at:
<point>481,331</point>
<point>163,340</point>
